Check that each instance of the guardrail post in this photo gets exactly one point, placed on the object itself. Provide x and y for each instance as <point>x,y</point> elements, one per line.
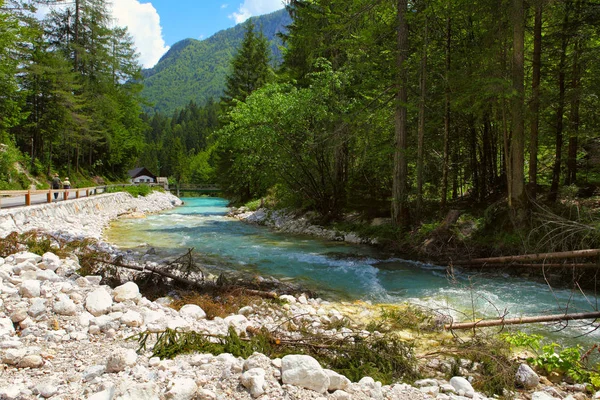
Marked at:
<point>77,193</point>
<point>28,198</point>
<point>49,196</point>
<point>65,194</point>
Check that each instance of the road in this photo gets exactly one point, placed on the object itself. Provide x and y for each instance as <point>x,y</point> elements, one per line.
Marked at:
<point>19,201</point>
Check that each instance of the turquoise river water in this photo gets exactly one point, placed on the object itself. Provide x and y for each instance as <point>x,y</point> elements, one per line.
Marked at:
<point>341,271</point>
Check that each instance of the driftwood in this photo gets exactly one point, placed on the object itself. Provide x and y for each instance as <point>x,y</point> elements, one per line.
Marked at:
<point>538,265</point>
<point>185,281</point>
<point>522,320</point>
<point>531,257</point>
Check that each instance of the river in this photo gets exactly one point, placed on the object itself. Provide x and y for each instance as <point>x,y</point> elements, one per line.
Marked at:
<point>339,271</point>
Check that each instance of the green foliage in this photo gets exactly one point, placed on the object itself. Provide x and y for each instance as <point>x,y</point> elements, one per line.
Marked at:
<point>194,70</point>
<point>134,190</point>
<point>386,359</point>
<point>552,357</point>
<point>253,205</point>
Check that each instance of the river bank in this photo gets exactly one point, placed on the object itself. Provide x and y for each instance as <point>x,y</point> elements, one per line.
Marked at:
<point>69,343</point>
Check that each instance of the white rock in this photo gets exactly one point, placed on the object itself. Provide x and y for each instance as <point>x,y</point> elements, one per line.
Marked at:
<point>47,275</point>
<point>12,392</point>
<point>542,396</point>
<point>46,389</point>
<point>461,383</point>
<point>103,395</point>
<point>64,305</point>
<point>30,288</point>
<point>6,327</point>
<point>31,361</point>
<point>12,356</point>
<point>121,360</point>
<point>426,382</point>
<point>127,291</point>
<point>340,395</point>
<point>526,377</point>
<point>336,381</point>
<point>182,389</point>
<point>286,297</point>
<point>192,311</point>
<point>132,319</point>
<point>205,394</point>
<point>246,310</point>
<point>254,381</point>
<point>304,371</point>
<point>155,321</point>
<point>37,308</point>
<point>146,391</point>
<point>51,261</point>
<point>178,323</point>
<point>18,315</point>
<point>93,372</point>
<point>98,302</point>
<point>27,256</point>
<point>238,322</point>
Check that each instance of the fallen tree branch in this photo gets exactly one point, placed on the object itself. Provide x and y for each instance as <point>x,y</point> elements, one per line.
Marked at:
<point>522,320</point>
<point>534,265</point>
<point>532,257</point>
<point>184,281</point>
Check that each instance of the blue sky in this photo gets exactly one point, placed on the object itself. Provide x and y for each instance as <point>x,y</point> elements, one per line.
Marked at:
<point>157,24</point>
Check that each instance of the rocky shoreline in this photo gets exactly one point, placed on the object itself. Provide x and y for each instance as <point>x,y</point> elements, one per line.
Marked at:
<point>63,336</point>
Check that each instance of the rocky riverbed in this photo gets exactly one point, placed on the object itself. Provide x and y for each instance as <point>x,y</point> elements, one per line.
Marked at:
<point>64,336</point>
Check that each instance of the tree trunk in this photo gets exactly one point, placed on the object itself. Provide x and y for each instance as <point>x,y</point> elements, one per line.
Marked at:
<point>421,126</point>
<point>446,165</point>
<point>535,99</point>
<point>560,110</point>
<point>400,180</point>
<point>571,177</point>
<point>523,320</point>
<point>518,202</point>
<point>532,257</point>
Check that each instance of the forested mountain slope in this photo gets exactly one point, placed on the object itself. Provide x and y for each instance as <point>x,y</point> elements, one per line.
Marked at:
<point>196,69</point>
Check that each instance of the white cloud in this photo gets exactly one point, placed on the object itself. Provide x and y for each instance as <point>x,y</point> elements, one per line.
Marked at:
<point>224,6</point>
<point>250,8</point>
<point>143,23</point>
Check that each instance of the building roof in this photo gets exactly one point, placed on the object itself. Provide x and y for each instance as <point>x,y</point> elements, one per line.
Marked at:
<point>134,173</point>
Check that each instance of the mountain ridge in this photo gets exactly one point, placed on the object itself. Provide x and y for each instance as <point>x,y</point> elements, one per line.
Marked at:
<point>196,70</point>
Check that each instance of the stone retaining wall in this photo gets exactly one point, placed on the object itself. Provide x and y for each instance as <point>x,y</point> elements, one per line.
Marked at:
<point>81,217</point>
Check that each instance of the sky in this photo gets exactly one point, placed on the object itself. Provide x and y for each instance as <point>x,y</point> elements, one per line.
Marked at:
<point>157,24</point>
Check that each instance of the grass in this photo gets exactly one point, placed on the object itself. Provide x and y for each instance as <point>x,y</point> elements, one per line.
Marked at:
<point>134,190</point>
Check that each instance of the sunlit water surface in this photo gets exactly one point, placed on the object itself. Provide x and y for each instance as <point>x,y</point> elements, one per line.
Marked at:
<point>341,271</point>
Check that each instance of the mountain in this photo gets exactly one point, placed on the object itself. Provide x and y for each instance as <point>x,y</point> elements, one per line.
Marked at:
<point>196,69</point>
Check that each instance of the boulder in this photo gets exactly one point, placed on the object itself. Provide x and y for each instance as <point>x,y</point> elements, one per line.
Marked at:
<point>30,288</point>
<point>145,391</point>
<point>119,361</point>
<point>127,291</point>
<point>254,381</point>
<point>304,371</point>
<point>6,327</point>
<point>37,308</point>
<point>461,383</point>
<point>336,381</point>
<point>64,305</point>
<point>182,389</point>
<point>27,256</point>
<point>526,377</point>
<point>98,302</point>
<point>192,311</point>
<point>132,319</point>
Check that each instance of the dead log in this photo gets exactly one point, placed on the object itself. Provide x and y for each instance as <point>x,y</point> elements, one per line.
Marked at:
<point>549,265</point>
<point>184,281</point>
<point>532,257</point>
<point>522,320</point>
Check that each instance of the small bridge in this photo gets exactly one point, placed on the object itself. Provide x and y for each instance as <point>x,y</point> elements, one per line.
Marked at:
<point>195,188</point>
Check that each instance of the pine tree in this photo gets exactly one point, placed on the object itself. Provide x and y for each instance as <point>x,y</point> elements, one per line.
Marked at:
<point>250,68</point>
